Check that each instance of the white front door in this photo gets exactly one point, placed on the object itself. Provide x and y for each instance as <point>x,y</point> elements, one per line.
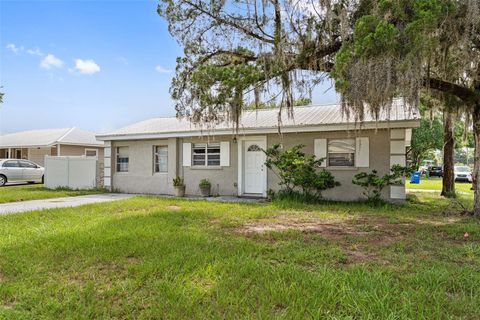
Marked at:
<point>254,175</point>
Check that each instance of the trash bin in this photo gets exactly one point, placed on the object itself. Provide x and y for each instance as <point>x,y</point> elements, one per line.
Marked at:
<point>415,177</point>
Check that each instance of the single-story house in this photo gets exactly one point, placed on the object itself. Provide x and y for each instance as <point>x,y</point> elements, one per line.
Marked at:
<point>144,157</point>
<point>34,145</point>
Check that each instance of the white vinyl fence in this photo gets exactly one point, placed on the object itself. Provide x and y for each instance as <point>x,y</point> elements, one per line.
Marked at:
<point>71,172</point>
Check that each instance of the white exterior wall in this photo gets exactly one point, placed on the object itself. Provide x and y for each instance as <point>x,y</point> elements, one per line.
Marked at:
<point>377,152</point>
<point>141,177</point>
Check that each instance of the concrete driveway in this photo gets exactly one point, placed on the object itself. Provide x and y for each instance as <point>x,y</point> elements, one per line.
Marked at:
<point>31,205</point>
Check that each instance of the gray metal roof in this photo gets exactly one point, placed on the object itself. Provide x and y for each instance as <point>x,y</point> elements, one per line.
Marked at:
<point>48,137</point>
<point>305,116</point>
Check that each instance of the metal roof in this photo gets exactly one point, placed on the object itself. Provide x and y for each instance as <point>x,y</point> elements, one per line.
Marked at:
<point>48,137</point>
<point>305,116</point>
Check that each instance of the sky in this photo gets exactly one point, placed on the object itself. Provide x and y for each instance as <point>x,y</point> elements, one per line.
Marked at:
<point>96,65</point>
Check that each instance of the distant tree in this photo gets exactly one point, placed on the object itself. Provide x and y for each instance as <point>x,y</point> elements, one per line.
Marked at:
<point>303,101</point>
<point>463,134</point>
<point>426,138</point>
<point>464,156</point>
<point>272,104</point>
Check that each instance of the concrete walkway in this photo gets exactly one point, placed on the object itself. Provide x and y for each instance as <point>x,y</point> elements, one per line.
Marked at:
<point>31,205</point>
<point>430,191</point>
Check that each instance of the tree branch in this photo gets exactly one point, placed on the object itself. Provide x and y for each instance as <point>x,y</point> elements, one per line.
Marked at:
<point>219,19</point>
<point>465,94</point>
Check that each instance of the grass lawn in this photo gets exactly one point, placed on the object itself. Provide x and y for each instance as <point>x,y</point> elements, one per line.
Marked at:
<point>14,193</point>
<point>160,258</point>
<point>435,183</point>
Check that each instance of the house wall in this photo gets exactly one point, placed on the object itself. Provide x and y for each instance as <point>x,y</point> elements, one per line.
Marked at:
<point>141,177</point>
<point>37,155</point>
<point>72,150</point>
<point>379,159</point>
<point>223,179</point>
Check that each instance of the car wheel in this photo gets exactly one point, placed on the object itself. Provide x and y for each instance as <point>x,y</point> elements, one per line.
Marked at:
<point>3,180</point>
<point>43,178</point>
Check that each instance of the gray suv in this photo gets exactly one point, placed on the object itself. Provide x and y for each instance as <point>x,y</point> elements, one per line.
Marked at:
<point>17,170</point>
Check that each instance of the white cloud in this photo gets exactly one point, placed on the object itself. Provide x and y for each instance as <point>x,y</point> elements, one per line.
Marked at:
<point>86,66</point>
<point>35,52</point>
<point>50,62</point>
<point>162,69</point>
<point>12,47</point>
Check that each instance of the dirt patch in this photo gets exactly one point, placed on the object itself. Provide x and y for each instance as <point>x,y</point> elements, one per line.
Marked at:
<point>330,228</point>
<point>133,259</point>
<point>355,236</point>
<point>7,305</point>
<point>359,256</point>
<point>442,222</point>
<point>174,207</point>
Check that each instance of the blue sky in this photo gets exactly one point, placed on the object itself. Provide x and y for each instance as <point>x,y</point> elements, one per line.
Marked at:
<point>96,65</point>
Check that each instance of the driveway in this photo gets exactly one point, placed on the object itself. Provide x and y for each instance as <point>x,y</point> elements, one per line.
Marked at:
<point>24,206</point>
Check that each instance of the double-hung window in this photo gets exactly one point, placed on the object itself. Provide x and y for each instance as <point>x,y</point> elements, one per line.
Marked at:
<point>160,158</point>
<point>122,159</point>
<point>341,152</point>
<point>206,154</point>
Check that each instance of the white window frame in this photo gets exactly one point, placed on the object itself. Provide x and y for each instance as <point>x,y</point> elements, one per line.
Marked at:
<point>87,150</point>
<point>206,146</point>
<point>156,156</point>
<point>117,158</point>
<point>353,153</point>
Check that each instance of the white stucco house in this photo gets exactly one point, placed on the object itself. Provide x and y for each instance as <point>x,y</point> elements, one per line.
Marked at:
<point>144,157</point>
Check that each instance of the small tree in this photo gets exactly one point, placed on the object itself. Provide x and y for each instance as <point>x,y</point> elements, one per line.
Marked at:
<point>374,184</point>
<point>298,171</point>
<point>426,138</point>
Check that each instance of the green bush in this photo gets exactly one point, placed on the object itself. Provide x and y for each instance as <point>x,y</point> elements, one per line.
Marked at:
<point>178,182</point>
<point>205,183</point>
<point>299,172</point>
<point>373,184</point>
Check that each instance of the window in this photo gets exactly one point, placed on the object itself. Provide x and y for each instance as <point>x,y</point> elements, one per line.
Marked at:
<point>341,153</point>
<point>254,148</point>
<point>122,159</point>
<point>90,152</point>
<point>27,164</point>
<point>206,154</point>
<point>11,164</point>
<point>160,159</point>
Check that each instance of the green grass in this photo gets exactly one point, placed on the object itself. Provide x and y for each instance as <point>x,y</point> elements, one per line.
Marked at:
<point>435,183</point>
<point>160,258</point>
<point>37,191</point>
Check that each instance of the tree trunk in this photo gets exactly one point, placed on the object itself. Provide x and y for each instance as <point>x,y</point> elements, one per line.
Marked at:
<point>476,160</point>
<point>448,189</point>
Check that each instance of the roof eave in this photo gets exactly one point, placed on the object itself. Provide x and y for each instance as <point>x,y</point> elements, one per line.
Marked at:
<point>411,123</point>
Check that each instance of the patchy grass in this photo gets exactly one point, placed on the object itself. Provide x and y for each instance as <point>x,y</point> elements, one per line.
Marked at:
<point>435,183</point>
<point>151,257</point>
<point>14,193</point>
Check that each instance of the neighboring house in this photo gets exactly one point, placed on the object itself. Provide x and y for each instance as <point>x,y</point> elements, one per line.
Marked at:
<point>146,156</point>
<point>34,145</point>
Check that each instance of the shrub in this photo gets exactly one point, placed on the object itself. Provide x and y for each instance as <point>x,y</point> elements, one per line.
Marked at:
<point>373,184</point>
<point>298,171</point>
<point>204,183</point>
<point>178,182</point>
